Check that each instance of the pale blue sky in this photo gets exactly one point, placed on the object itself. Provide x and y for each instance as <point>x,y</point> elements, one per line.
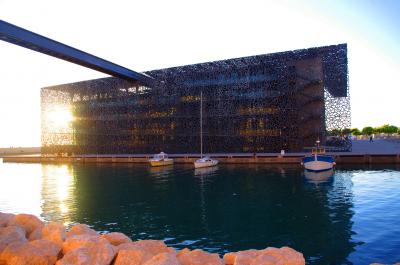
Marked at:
<point>145,35</point>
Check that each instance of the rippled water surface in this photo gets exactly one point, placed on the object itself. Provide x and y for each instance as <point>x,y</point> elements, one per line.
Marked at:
<point>350,217</point>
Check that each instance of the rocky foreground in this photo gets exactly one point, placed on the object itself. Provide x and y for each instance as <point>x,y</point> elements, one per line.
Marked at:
<point>26,240</point>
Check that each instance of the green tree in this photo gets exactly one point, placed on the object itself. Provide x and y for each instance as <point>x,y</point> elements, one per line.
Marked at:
<point>367,130</point>
<point>346,131</point>
<point>355,131</point>
<point>391,129</point>
<point>386,128</point>
<point>334,132</point>
<point>378,129</point>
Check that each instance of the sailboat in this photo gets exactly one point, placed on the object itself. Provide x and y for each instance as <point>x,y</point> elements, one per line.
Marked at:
<point>203,161</point>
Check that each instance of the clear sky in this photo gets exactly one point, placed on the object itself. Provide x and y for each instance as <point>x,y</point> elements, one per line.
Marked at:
<point>146,35</point>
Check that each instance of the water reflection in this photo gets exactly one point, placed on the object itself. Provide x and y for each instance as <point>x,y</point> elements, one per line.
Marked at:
<point>205,172</point>
<point>224,208</point>
<point>161,171</point>
<point>204,175</point>
<point>318,178</point>
<point>58,192</point>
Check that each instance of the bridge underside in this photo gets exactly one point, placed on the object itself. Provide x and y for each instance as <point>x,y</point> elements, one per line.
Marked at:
<point>30,40</point>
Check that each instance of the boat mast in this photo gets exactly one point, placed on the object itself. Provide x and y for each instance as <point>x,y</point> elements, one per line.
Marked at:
<point>201,124</point>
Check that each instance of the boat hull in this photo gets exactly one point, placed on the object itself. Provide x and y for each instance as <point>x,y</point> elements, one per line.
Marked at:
<point>198,164</point>
<point>160,163</point>
<point>318,163</point>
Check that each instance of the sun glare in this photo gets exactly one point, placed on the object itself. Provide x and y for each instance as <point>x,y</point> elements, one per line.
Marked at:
<point>59,183</point>
<point>60,117</point>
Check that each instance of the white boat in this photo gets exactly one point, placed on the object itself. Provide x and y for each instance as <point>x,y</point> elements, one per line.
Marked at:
<point>203,161</point>
<point>318,161</point>
<point>160,159</point>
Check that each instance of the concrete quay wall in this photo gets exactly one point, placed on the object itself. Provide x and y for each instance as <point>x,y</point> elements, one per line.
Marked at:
<point>223,159</point>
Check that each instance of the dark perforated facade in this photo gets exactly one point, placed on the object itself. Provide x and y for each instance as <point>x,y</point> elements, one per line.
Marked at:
<point>261,103</point>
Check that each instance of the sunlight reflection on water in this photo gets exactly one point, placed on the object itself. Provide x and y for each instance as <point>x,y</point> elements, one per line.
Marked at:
<point>350,216</point>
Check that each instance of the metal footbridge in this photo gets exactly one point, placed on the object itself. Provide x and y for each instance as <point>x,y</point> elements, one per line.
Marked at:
<point>30,40</point>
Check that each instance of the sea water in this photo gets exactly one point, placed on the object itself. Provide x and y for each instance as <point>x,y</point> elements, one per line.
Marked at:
<point>349,216</point>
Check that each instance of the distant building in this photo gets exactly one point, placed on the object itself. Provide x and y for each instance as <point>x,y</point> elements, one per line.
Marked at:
<point>261,103</point>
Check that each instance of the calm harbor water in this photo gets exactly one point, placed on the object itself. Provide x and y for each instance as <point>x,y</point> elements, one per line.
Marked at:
<point>351,217</point>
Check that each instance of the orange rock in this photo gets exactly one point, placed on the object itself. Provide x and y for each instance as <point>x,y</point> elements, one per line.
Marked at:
<point>79,256</point>
<point>141,251</point>
<point>48,248</point>
<point>116,238</point>
<point>271,251</point>
<point>54,232</point>
<point>125,246</point>
<point>83,245</point>
<point>77,241</point>
<point>98,248</point>
<point>22,253</point>
<point>284,255</point>
<point>183,251</point>
<point>163,259</point>
<point>292,256</point>
<point>81,229</point>
<point>36,234</point>
<point>245,259</point>
<point>145,249</point>
<point>27,221</point>
<point>172,250</point>
<point>229,258</point>
<point>11,234</point>
<point>38,252</point>
<point>263,259</point>
<point>130,257</point>
<point>88,255</point>
<point>199,257</point>
<point>5,218</point>
<point>152,247</point>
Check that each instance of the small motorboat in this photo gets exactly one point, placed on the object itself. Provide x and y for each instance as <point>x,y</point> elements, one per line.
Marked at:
<point>160,159</point>
<point>205,162</point>
<point>318,161</point>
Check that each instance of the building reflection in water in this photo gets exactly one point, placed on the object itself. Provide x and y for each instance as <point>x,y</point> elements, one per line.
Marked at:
<point>229,208</point>
<point>334,190</point>
<point>58,193</point>
<point>311,213</point>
